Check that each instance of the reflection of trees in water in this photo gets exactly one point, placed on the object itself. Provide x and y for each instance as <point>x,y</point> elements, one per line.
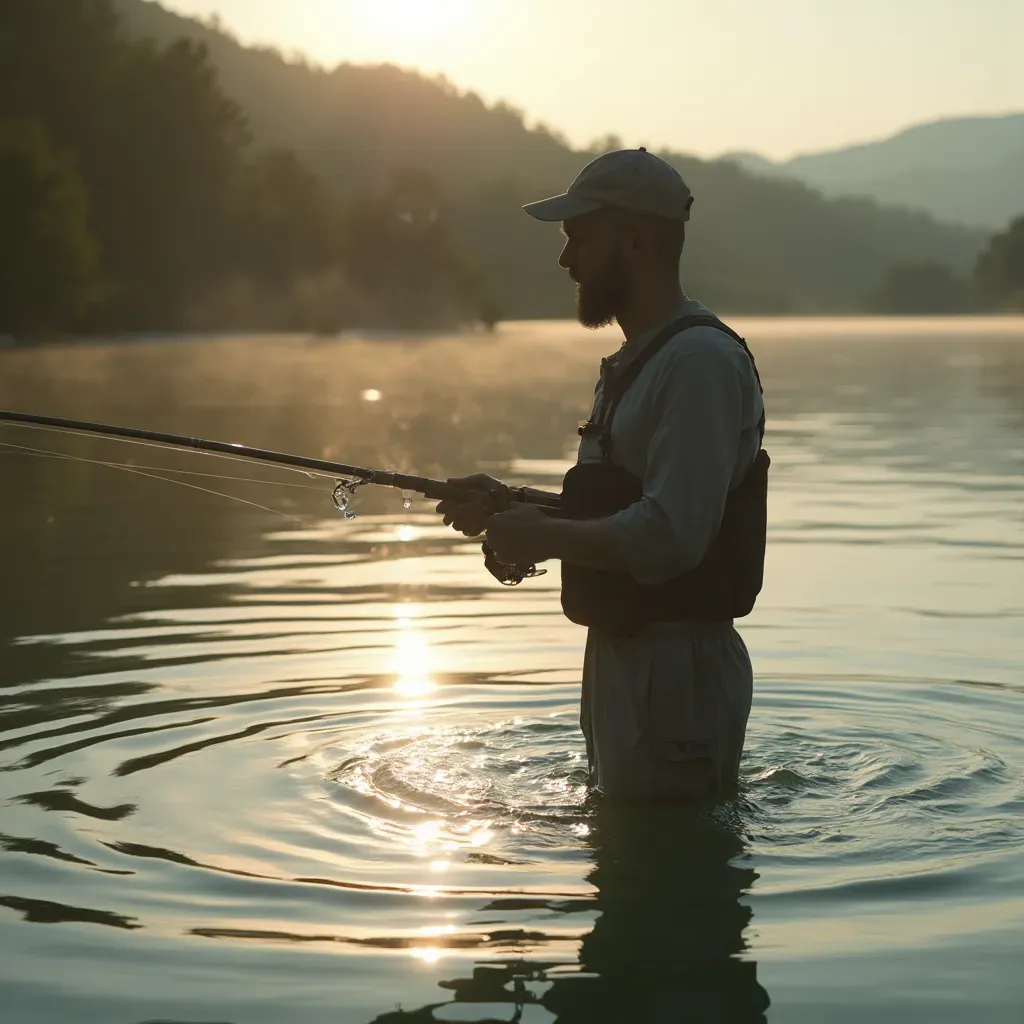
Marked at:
<point>1003,376</point>
<point>666,944</point>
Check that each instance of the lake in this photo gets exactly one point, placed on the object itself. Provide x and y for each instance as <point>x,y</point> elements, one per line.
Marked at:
<point>262,764</point>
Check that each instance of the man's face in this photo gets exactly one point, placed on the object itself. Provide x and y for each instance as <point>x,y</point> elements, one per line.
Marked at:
<point>593,255</point>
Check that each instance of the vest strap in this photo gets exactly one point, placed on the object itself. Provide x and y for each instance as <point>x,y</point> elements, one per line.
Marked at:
<point>620,384</point>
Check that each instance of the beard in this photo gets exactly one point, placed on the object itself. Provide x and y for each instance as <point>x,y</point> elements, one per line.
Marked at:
<point>599,300</point>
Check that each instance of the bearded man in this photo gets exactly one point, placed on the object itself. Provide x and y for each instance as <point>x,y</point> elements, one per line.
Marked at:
<point>662,528</point>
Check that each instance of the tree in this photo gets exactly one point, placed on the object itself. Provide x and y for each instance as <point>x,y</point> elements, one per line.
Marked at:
<point>399,249</point>
<point>156,142</point>
<point>922,288</point>
<point>755,243</point>
<point>1000,268</point>
<point>162,185</point>
<point>286,226</point>
<point>49,258</point>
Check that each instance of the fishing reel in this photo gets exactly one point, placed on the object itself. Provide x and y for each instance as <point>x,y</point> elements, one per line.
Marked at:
<point>508,575</point>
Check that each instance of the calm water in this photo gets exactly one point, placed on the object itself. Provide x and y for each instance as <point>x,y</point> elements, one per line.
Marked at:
<point>263,765</point>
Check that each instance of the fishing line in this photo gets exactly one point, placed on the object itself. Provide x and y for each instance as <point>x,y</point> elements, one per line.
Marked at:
<point>312,474</point>
<point>347,477</point>
<point>22,449</point>
<point>153,476</point>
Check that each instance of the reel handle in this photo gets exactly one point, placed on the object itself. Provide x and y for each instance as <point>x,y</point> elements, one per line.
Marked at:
<point>508,575</point>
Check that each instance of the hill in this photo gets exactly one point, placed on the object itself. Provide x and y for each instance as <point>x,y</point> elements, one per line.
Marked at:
<point>969,170</point>
<point>756,244</point>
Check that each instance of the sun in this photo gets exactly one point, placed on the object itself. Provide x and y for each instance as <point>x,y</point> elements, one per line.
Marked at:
<point>419,18</point>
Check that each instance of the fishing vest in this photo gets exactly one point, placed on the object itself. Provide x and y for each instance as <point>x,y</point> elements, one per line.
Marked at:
<point>723,587</point>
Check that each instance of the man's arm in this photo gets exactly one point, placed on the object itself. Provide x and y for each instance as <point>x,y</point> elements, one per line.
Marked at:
<point>690,461</point>
<point>586,542</point>
<point>697,409</point>
<point>524,535</point>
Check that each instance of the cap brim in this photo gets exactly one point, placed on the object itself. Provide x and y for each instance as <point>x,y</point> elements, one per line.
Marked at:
<point>559,208</point>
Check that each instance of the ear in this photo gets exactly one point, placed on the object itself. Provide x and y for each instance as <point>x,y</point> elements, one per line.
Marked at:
<point>627,233</point>
<point>637,239</point>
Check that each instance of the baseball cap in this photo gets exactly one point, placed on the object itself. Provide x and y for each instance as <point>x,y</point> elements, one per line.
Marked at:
<point>627,179</point>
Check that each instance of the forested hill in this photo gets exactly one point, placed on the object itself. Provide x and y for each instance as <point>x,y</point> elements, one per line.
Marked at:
<point>965,169</point>
<point>157,175</point>
<point>755,244</point>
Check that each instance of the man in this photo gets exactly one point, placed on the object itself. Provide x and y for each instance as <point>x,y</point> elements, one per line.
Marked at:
<point>665,697</point>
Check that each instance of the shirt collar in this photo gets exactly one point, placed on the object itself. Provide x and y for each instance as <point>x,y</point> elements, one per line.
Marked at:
<point>632,347</point>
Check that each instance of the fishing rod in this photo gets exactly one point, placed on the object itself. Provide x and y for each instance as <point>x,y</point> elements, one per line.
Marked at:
<point>353,476</point>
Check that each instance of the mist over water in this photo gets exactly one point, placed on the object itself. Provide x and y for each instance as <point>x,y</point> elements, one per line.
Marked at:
<point>260,763</point>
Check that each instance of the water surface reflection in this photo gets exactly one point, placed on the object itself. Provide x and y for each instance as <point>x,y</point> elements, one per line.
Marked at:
<point>263,764</point>
<point>668,942</point>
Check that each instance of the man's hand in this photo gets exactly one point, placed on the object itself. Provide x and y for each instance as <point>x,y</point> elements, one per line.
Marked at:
<point>519,536</point>
<point>470,517</point>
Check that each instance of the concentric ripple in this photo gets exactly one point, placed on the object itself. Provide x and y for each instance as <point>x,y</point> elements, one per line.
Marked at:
<point>233,775</point>
<point>253,771</point>
<point>516,774</point>
<point>874,788</point>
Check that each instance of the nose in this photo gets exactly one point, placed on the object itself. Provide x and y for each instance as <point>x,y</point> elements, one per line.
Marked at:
<point>563,259</point>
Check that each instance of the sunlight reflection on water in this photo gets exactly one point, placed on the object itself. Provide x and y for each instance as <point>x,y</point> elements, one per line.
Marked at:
<point>274,772</point>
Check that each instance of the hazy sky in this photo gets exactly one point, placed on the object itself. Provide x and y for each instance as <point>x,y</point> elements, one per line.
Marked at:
<point>774,76</point>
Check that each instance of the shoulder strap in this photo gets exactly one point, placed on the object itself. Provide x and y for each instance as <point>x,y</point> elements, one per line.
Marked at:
<point>622,383</point>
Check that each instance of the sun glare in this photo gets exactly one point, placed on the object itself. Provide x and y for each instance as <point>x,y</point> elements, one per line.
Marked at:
<point>413,17</point>
<point>411,655</point>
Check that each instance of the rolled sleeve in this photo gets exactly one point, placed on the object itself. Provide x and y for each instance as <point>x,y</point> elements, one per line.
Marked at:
<point>696,416</point>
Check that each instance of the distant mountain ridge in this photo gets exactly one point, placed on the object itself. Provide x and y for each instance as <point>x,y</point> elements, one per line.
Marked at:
<point>756,244</point>
<point>968,170</point>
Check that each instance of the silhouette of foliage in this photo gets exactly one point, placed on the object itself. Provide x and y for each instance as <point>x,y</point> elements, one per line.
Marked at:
<point>226,186</point>
<point>190,221</point>
<point>49,261</point>
<point>1000,268</point>
<point>285,224</point>
<point>398,249</point>
<point>755,244</point>
<point>922,288</point>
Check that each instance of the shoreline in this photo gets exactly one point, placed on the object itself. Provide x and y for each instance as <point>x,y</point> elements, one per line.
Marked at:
<point>856,323</point>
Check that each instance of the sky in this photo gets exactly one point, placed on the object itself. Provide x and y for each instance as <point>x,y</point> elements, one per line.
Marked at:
<point>777,77</point>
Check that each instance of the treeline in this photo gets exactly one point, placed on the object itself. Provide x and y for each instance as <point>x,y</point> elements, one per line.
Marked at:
<point>996,283</point>
<point>157,175</point>
<point>755,244</point>
<point>133,197</point>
